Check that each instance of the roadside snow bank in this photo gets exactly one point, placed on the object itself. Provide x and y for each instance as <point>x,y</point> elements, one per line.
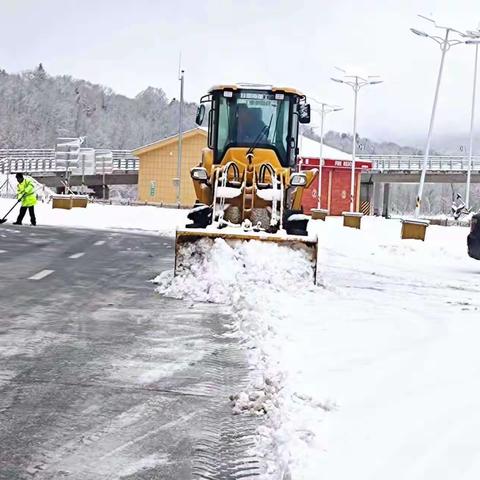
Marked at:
<point>163,221</point>
<point>263,284</point>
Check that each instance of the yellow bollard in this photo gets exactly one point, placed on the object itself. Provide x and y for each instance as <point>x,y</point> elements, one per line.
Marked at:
<point>79,201</point>
<point>352,219</point>
<point>414,229</point>
<point>319,214</point>
<point>62,201</point>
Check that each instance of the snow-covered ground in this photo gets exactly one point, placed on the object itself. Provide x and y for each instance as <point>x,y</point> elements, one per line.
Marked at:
<point>390,348</point>
<point>96,215</point>
<point>370,375</point>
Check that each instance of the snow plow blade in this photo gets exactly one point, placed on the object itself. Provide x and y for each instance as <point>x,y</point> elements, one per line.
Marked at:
<point>308,244</point>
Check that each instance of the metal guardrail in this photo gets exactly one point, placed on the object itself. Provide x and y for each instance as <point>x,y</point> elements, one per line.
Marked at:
<point>125,161</point>
<point>414,163</point>
<point>42,161</point>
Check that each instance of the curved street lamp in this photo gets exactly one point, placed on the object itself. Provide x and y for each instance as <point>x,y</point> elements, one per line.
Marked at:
<point>325,109</point>
<point>445,44</point>
<point>356,82</point>
<point>474,39</point>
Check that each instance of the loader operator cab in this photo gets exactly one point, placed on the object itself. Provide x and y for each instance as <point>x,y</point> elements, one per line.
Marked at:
<point>246,177</point>
<point>249,125</point>
<point>255,117</point>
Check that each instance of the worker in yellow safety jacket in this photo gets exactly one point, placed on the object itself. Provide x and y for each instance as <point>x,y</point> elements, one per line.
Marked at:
<point>26,194</point>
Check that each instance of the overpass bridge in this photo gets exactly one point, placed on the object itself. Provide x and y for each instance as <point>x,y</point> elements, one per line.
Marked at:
<point>388,169</point>
<point>42,164</point>
<point>407,168</point>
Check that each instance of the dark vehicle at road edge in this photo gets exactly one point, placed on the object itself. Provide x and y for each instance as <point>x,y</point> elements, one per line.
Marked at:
<point>473,240</point>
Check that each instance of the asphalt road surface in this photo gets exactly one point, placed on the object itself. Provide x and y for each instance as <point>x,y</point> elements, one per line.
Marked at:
<point>102,378</point>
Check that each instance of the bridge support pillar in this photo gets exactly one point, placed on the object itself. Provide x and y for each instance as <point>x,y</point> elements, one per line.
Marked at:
<point>377,192</point>
<point>386,200</point>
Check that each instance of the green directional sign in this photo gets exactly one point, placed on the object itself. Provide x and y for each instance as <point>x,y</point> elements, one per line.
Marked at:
<point>153,188</point>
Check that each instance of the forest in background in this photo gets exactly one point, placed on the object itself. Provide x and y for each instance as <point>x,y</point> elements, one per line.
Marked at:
<point>36,108</point>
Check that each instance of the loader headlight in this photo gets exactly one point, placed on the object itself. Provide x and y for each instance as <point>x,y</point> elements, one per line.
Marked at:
<point>199,173</point>
<point>298,180</point>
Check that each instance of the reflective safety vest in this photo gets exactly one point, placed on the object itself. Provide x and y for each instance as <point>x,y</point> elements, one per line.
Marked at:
<point>26,192</point>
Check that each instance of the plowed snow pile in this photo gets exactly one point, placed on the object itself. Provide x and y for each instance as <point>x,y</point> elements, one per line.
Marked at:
<point>262,284</point>
<point>214,271</point>
<point>371,375</point>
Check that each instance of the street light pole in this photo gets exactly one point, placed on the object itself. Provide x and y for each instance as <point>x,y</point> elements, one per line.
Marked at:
<point>356,82</point>
<point>354,144</point>
<point>320,160</point>
<point>326,108</point>
<point>472,116</point>
<point>180,139</point>
<point>445,44</point>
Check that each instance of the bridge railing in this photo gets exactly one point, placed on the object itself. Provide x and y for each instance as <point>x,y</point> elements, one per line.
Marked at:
<point>43,161</point>
<point>125,161</point>
<point>23,159</point>
<point>407,163</point>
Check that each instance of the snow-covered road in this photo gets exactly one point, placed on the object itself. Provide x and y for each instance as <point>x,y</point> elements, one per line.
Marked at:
<point>100,378</point>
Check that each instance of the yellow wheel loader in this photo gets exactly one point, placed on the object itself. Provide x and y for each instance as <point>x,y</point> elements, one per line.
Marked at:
<point>246,184</point>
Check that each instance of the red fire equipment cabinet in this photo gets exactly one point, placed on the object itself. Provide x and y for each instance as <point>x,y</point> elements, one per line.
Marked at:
<point>336,178</point>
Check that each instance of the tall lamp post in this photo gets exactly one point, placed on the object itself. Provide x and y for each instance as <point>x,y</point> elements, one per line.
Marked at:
<point>474,40</point>
<point>180,138</point>
<point>445,44</point>
<point>325,108</point>
<point>356,82</point>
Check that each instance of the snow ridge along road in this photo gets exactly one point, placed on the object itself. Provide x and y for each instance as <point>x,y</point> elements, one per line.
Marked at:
<point>248,278</point>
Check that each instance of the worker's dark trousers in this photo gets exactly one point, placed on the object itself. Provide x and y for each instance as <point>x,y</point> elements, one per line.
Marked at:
<point>23,211</point>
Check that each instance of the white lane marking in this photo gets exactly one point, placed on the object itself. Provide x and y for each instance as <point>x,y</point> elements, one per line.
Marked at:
<point>3,251</point>
<point>100,242</point>
<point>40,275</point>
<point>77,255</point>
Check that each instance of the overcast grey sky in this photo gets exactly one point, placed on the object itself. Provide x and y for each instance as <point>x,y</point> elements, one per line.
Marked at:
<point>129,45</point>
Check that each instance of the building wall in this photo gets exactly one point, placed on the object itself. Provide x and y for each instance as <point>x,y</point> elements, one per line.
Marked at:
<point>158,168</point>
